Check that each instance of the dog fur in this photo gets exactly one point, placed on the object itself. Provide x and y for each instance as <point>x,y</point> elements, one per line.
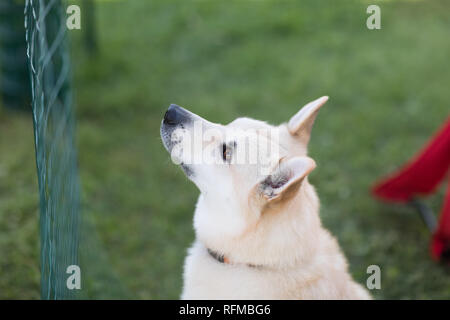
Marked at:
<point>266,225</point>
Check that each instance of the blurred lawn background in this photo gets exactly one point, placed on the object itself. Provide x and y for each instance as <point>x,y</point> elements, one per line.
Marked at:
<point>388,88</point>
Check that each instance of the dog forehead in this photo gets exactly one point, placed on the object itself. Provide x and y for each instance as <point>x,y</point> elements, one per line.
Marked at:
<point>248,123</point>
<point>253,131</point>
<point>249,130</point>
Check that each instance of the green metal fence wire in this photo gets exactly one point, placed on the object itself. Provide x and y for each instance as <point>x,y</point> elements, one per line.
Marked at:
<point>56,156</point>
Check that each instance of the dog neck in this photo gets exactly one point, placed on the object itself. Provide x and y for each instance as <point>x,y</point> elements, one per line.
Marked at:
<point>278,240</point>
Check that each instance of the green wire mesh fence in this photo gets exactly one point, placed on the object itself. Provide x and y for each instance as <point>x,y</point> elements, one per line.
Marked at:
<point>54,141</point>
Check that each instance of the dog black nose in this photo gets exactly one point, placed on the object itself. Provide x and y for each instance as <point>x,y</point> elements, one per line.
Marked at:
<point>175,115</point>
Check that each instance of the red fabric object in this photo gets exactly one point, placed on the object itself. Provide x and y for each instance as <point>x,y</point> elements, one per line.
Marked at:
<point>421,177</point>
<point>423,174</point>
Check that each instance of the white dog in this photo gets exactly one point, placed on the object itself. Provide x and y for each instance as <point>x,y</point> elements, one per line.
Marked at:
<point>257,225</point>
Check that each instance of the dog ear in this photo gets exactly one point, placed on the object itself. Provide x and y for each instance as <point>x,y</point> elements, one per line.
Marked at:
<point>301,123</point>
<point>286,177</point>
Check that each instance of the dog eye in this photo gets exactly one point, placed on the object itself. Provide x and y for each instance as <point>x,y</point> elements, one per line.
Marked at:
<point>226,153</point>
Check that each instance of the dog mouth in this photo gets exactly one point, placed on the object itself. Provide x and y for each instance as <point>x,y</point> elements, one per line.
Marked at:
<point>169,144</point>
<point>187,170</point>
<point>175,125</point>
<point>166,133</point>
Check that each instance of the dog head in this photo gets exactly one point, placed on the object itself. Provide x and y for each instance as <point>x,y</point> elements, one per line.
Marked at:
<point>244,169</point>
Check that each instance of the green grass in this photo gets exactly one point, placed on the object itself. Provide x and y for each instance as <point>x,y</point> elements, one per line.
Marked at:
<point>264,59</point>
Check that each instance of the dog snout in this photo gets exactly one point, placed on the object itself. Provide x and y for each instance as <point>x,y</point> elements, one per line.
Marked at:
<point>175,115</point>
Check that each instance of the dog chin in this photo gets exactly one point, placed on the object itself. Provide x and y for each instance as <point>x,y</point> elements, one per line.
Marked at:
<point>187,169</point>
